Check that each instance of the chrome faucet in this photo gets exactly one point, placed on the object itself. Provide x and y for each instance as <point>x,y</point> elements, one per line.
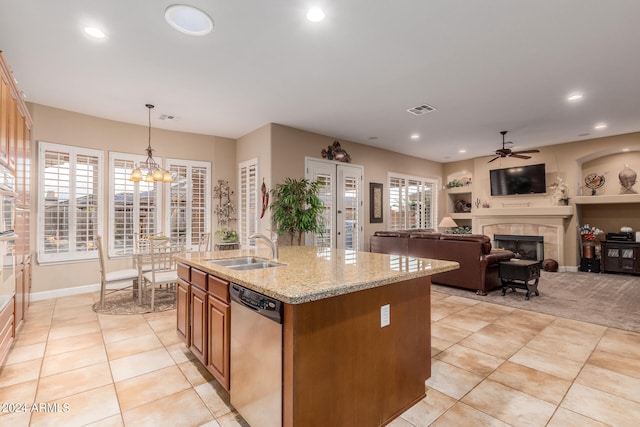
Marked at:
<point>273,244</point>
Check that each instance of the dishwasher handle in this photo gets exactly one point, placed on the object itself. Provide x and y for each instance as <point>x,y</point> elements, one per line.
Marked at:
<point>265,306</point>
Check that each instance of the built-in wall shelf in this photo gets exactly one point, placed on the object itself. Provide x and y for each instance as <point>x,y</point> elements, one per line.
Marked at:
<point>465,215</point>
<point>458,190</point>
<point>606,199</point>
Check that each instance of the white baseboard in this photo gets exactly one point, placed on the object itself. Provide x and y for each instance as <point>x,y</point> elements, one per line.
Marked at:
<point>65,292</point>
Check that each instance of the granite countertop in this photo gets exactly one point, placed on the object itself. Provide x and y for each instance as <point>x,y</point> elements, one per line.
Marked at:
<point>311,273</point>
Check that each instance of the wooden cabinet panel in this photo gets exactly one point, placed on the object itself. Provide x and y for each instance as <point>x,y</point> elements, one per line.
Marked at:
<point>6,331</point>
<point>218,288</point>
<point>620,257</point>
<point>184,272</point>
<point>199,324</point>
<point>339,362</point>
<point>199,279</point>
<point>218,340</point>
<point>204,319</point>
<point>4,115</point>
<point>182,308</point>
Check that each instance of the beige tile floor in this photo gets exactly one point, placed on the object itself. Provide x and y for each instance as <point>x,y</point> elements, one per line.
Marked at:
<point>491,366</point>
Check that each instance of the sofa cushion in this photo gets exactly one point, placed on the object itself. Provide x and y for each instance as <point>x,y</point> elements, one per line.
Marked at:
<point>481,238</point>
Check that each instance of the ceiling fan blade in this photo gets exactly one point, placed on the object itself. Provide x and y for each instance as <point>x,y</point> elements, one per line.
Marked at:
<point>496,157</point>
<point>526,151</point>
<point>519,156</point>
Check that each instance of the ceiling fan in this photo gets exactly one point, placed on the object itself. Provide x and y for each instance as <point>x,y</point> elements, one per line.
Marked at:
<point>506,152</point>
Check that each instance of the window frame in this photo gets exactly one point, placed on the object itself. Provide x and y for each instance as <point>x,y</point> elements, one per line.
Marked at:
<point>248,219</point>
<point>190,165</point>
<point>157,212</point>
<point>73,254</point>
<point>422,214</point>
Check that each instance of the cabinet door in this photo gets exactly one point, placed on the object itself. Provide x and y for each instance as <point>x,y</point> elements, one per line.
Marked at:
<point>218,348</point>
<point>199,324</point>
<point>182,308</point>
<point>4,117</point>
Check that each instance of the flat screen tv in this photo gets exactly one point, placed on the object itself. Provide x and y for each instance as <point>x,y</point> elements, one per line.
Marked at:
<point>518,180</point>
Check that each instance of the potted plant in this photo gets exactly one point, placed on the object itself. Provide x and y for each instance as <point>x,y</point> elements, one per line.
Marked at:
<point>297,208</point>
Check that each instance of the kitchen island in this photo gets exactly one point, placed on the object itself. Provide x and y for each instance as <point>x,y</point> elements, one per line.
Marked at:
<point>355,328</point>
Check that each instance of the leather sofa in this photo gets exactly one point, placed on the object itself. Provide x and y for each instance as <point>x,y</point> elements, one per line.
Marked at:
<point>478,262</point>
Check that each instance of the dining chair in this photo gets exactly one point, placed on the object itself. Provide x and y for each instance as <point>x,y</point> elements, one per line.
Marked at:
<point>115,280</point>
<point>203,244</point>
<point>164,269</point>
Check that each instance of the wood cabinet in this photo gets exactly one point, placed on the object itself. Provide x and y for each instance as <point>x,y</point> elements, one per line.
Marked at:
<point>620,257</point>
<point>203,321</point>
<point>182,307</point>
<point>199,324</point>
<point>15,153</point>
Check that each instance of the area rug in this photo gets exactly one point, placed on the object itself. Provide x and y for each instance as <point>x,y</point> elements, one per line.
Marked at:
<point>604,299</point>
<point>123,302</point>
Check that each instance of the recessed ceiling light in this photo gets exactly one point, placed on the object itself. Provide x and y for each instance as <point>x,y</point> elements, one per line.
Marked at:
<point>415,136</point>
<point>462,151</point>
<point>188,20</point>
<point>315,14</point>
<point>600,126</point>
<point>575,97</point>
<point>626,150</point>
<point>95,32</point>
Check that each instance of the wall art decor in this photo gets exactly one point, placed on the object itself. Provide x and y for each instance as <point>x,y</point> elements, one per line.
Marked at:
<point>375,202</point>
<point>336,152</point>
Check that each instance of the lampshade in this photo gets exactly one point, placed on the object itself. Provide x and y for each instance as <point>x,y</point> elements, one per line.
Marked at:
<point>447,222</point>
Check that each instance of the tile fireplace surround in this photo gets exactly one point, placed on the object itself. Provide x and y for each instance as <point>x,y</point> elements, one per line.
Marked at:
<point>548,222</point>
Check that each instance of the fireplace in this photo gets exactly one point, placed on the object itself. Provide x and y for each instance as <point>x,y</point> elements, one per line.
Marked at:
<point>526,247</point>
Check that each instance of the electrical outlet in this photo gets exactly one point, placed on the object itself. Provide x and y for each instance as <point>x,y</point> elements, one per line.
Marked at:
<point>385,316</point>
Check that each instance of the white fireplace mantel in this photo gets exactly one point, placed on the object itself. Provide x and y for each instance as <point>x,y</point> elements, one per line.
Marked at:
<point>549,221</point>
<point>543,211</point>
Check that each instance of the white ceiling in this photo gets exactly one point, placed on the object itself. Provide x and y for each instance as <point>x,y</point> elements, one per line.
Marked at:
<point>486,66</point>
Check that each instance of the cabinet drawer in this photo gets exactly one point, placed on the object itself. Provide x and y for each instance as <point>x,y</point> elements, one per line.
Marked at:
<point>199,278</point>
<point>219,288</point>
<point>184,272</point>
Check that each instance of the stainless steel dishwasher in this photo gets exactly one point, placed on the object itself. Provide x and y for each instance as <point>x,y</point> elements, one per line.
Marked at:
<point>256,356</point>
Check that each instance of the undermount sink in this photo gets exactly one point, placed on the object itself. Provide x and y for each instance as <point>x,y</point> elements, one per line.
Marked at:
<point>245,263</point>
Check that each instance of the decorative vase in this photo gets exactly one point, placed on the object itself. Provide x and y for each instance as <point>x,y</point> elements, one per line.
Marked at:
<point>627,177</point>
<point>588,249</point>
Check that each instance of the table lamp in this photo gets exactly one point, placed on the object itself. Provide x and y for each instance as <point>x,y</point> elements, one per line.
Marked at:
<point>447,223</point>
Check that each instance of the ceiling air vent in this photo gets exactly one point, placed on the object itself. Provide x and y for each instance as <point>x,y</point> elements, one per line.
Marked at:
<point>421,109</point>
<point>166,117</point>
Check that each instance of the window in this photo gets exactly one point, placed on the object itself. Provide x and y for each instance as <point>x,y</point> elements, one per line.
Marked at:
<point>70,200</point>
<point>133,206</point>
<point>412,202</point>
<point>247,200</point>
<point>188,204</point>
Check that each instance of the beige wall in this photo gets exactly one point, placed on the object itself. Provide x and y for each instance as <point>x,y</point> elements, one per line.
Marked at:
<point>257,144</point>
<point>290,146</point>
<point>64,127</point>
<point>571,162</point>
<point>281,151</point>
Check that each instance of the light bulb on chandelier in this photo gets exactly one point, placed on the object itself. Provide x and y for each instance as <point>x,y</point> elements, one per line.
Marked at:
<point>154,171</point>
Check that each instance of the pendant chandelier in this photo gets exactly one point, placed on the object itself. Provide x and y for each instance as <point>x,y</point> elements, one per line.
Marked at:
<point>153,170</point>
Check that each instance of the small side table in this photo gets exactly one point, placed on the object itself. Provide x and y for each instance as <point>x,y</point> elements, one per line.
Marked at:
<point>518,274</point>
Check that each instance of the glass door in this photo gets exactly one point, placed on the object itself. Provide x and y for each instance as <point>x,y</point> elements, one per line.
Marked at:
<point>341,193</point>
